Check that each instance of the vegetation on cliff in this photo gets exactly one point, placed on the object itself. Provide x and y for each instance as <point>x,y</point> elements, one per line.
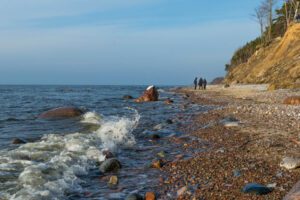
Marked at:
<point>272,57</point>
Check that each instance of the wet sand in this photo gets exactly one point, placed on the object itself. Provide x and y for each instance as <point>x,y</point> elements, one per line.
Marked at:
<point>231,157</point>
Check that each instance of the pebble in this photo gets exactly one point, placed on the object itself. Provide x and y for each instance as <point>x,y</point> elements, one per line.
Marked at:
<point>156,164</point>
<point>256,188</point>
<point>150,196</point>
<point>158,127</point>
<point>181,191</point>
<point>161,154</point>
<point>290,163</point>
<point>237,173</point>
<point>113,180</point>
<point>231,124</point>
<point>134,197</point>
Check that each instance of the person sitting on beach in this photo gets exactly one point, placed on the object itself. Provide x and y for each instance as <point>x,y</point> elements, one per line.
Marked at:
<point>204,84</point>
<point>195,83</point>
<point>200,83</point>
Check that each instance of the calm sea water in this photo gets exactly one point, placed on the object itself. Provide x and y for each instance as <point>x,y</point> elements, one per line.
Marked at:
<point>60,159</point>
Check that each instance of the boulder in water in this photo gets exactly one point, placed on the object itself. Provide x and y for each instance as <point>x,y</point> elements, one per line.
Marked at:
<point>150,94</point>
<point>62,112</point>
<point>127,97</point>
<point>109,165</point>
<point>18,141</point>
<point>295,100</point>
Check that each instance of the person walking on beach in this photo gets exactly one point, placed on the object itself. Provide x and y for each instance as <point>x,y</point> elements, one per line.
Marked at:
<point>195,83</point>
<point>200,83</point>
<point>204,84</point>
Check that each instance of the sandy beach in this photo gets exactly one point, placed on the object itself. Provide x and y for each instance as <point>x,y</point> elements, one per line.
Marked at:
<point>243,141</point>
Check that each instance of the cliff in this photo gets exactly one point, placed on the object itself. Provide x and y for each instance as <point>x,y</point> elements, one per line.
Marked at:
<point>277,64</point>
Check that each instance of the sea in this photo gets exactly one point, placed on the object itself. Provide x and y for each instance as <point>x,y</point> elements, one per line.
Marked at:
<point>60,159</point>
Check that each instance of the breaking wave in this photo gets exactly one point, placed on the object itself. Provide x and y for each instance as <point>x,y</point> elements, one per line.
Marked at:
<point>52,167</point>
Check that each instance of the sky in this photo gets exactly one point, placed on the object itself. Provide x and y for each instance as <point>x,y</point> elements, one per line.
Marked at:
<point>120,42</point>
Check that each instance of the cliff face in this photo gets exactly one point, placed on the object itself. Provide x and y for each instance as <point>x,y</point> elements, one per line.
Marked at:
<point>278,64</point>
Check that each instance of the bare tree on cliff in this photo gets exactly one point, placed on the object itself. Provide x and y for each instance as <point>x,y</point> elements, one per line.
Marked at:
<point>260,15</point>
<point>267,7</point>
<point>291,10</point>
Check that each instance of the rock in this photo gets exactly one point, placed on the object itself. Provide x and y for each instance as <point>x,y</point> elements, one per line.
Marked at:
<point>294,193</point>
<point>134,197</point>
<point>155,136</point>
<point>18,141</point>
<point>290,163</point>
<point>158,127</point>
<point>237,173</point>
<point>113,180</point>
<point>231,124</point>
<point>169,121</point>
<point>151,94</point>
<point>161,154</point>
<point>257,189</point>
<point>156,164</point>
<point>62,112</point>
<point>108,154</point>
<point>169,101</point>
<point>150,196</point>
<point>181,191</point>
<point>109,165</point>
<point>127,97</point>
<point>294,100</point>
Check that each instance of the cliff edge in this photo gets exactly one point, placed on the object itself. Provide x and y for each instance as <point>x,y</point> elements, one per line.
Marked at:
<point>278,64</point>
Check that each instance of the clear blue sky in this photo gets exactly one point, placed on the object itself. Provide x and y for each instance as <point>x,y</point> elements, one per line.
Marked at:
<point>120,41</point>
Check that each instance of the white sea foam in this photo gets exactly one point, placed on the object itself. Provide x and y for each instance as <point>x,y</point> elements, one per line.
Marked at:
<point>51,167</point>
<point>91,118</point>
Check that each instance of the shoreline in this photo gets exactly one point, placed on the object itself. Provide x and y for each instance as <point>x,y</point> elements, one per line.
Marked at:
<point>238,154</point>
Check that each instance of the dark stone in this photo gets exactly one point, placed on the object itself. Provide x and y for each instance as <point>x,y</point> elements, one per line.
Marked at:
<point>109,165</point>
<point>155,136</point>
<point>169,121</point>
<point>257,189</point>
<point>134,197</point>
<point>108,154</point>
<point>127,97</point>
<point>63,112</point>
<point>18,141</point>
